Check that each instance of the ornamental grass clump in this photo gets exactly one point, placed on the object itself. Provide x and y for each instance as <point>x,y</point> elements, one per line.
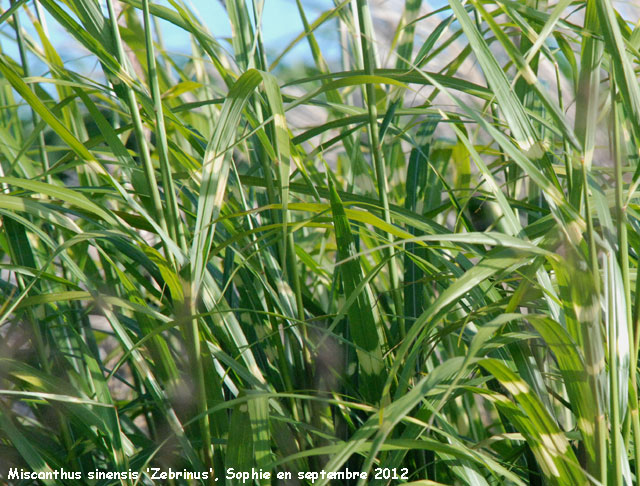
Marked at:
<point>409,256</point>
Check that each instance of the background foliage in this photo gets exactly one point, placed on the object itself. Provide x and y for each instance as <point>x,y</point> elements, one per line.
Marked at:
<point>420,255</point>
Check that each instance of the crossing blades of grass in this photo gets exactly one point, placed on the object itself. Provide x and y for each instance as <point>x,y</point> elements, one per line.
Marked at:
<point>400,242</point>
